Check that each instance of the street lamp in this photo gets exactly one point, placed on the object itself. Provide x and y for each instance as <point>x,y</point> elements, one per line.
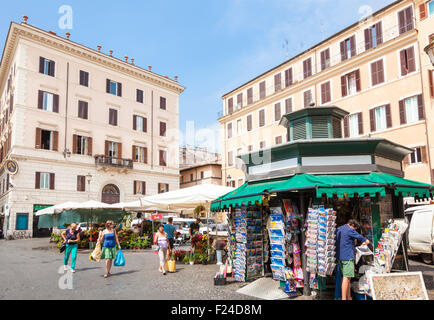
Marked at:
<point>89,178</point>
<point>229,180</point>
<point>429,49</point>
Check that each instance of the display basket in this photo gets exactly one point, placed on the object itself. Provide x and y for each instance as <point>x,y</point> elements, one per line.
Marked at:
<point>219,281</point>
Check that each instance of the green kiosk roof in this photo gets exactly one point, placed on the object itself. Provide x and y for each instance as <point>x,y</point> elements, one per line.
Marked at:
<point>330,185</point>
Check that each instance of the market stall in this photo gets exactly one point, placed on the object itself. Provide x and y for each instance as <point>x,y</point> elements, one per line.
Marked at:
<point>283,219</point>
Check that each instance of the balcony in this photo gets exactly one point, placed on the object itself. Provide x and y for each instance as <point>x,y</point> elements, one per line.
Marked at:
<point>106,161</point>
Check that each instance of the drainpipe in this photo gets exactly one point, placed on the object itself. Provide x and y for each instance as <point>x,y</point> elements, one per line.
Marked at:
<point>152,130</point>
<point>66,110</point>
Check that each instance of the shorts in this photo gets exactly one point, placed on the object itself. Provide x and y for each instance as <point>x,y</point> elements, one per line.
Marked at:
<point>171,242</point>
<point>347,268</point>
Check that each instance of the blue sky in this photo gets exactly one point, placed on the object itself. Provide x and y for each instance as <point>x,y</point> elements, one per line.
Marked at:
<point>212,45</point>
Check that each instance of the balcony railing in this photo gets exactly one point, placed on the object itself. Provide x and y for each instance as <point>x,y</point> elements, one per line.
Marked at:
<point>113,162</point>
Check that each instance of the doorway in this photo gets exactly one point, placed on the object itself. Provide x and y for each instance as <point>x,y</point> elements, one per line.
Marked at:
<point>111,194</point>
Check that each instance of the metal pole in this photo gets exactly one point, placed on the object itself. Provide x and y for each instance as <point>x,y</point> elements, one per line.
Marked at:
<point>306,289</point>
<point>207,231</point>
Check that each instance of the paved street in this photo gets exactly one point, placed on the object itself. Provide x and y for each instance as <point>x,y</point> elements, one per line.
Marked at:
<point>28,270</point>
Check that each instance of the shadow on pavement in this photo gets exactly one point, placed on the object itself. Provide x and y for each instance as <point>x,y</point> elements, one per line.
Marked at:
<point>123,273</point>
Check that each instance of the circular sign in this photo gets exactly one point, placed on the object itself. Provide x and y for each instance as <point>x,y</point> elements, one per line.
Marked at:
<point>12,166</point>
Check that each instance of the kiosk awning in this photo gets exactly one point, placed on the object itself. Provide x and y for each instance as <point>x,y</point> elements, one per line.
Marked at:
<point>330,185</point>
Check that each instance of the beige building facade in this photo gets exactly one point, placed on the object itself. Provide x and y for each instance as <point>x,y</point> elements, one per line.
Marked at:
<point>375,69</point>
<point>80,125</point>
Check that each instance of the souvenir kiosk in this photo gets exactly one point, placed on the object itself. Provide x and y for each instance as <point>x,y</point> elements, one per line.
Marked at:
<point>283,219</point>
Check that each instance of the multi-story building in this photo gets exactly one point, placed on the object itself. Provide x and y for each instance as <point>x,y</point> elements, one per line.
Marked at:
<point>199,166</point>
<point>80,124</point>
<point>376,69</point>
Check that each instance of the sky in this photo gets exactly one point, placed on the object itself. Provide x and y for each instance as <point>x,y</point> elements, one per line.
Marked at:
<point>213,46</point>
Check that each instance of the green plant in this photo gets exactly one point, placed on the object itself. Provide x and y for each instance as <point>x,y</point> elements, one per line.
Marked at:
<point>186,259</point>
<point>198,210</point>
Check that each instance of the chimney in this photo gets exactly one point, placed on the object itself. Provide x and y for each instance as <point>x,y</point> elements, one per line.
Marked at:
<point>150,68</point>
<point>99,48</point>
<point>126,59</point>
<point>25,18</point>
<point>68,35</point>
<point>111,53</point>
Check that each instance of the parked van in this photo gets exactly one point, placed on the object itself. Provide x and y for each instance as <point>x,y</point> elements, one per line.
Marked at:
<point>421,232</point>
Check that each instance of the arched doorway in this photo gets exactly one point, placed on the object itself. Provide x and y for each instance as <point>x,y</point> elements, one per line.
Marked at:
<point>111,194</point>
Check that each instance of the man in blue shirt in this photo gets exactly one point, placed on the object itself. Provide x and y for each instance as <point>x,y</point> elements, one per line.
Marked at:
<point>345,237</point>
<point>170,229</point>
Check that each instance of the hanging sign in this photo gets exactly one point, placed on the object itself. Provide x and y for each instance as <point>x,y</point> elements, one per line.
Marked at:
<point>157,217</point>
<point>11,167</point>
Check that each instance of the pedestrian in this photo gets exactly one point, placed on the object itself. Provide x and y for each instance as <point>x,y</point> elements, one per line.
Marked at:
<point>170,229</point>
<point>193,231</point>
<point>345,237</point>
<point>110,239</point>
<point>162,240</point>
<point>71,237</point>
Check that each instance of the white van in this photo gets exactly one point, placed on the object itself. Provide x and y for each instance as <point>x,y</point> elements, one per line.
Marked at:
<point>421,232</point>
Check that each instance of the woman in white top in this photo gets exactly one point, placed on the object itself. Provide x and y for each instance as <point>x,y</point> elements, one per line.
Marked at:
<point>162,240</point>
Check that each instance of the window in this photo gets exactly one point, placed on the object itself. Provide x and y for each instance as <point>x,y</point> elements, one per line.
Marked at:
<point>262,145</point>
<point>202,175</point>
<point>229,130</point>
<point>249,122</point>
<point>418,156</point>
<point>354,125</point>
<point>140,154</point>
<point>307,98</point>
<point>381,118</point>
<point>113,117</point>
<point>239,101</point>
<point>163,158</point>
<point>82,145</point>
<point>278,140</point>
<point>325,59</point>
<point>351,83</point>
<point>140,187</point>
<point>230,106</point>
<point>239,127</point>
<point>230,158</point>
<point>140,124</point>
<point>377,72</point>
<point>431,8</point>
<point>348,48</point>
<point>46,140</point>
<point>262,90</point>
<point>277,112</point>
<point>250,96</point>
<point>163,188</point>
<point>307,68</point>
<point>44,181</point>
<point>261,118</point>
<point>288,105</point>
<point>114,88</point>
<point>48,101</point>
<point>277,82</point>
<point>408,61</point>
<point>373,36</point>
<point>411,109</point>
<point>405,20</point>
<point>84,78</point>
<point>83,107</point>
<point>250,148</point>
<point>139,96</point>
<point>81,183</point>
<point>47,67</point>
<point>163,129</point>
<point>163,103</point>
<point>113,149</point>
<point>288,77</point>
<point>325,93</point>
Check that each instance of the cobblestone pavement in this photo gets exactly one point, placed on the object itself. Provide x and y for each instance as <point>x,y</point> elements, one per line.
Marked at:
<point>29,270</point>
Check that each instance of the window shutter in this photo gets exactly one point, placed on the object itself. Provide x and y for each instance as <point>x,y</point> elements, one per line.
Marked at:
<point>41,65</point>
<point>406,161</point>
<point>86,110</point>
<point>134,122</point>
<point>423,11</point>
<point>374,74</point>
<point>89,146</point>
<point>135,187</point>
<point>229,130</point>
<point>411,60</point>
<point>402,112</point>
<point>278,82</point>
<point>38,138</point>
<point>162,129</point>
<point>119,89</point>
<point>358,81</point>
<point>40,99</point>
<point>404,70</point>
<point>115,117</point>
<point>288,105</point>
<point>74,144</point>
<point>249,123</point>
<point>423,154</point>
<point>409,18</point>
<point>120,150</point>
<point>143,188</point>
<point>231,105</point>
<point>134,154</point>
<point>388,116</point>
<point>52,65</point>
<point>421,108</point>
<point>368,39</point>
<point>360,118</point>
<point>145,155</point>
<point>380,71</point>
<point>344,86</point>
<point>111,116</point>
<point>240,100</point>
<point>163,103</point>
<point>79,187</point>
<point>431,82</point>
<point>106,150</point>
<point>38,180</point>
<point>261,118</point>
<point>262,90</point>
<point>108,85</point>
<point>372,118</point>
<point>353,46</point>
<point>52,181</point>
<point>401,22</point>
<point>346,127</point>
<point>343,51</point>
<point>323,60</point>
<point>250,96</point>
<point>145,125</point>
<point>56,103</point>
<point>55,141</point>
<point>277,112</point>
<point>379,31</point>
<point>288,77</point>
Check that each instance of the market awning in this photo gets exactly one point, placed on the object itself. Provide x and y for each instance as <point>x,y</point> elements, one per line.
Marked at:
<point>330,185</point>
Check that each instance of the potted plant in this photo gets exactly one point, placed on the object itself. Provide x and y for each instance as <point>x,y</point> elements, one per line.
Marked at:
<point>192,259</point>
<point>186,260</point>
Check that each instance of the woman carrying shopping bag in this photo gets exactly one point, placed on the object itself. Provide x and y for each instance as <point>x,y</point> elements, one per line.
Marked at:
<point>71,237</point>
<point>110,238</point>
<point>162,240</point>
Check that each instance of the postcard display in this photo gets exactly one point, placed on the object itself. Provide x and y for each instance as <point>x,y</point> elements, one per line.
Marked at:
<point>320,243</point>
<point>248,244</point>
<point>285,253</point>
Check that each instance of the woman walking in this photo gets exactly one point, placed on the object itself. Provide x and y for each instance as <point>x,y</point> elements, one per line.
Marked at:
<point>71,237</point>
<point>162,240</point>
<point>110,239</point>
